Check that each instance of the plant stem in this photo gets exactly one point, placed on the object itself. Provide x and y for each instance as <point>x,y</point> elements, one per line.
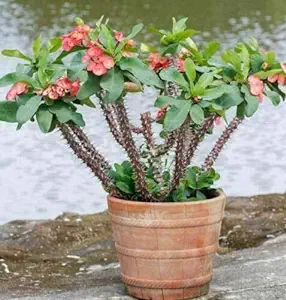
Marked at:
<point>85,142</point>
<point>132,152</point>
<point>223,139</point>
<point>196,139</point>
<point>92,163</point>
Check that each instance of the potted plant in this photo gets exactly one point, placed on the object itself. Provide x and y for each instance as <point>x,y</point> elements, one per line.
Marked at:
<point>165,212</point>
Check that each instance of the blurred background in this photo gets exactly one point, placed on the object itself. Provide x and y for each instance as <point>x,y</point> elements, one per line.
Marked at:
<point>39,177</point>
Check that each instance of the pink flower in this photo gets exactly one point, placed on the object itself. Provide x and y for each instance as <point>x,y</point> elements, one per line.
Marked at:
<point>17,89</point>
<point>256,87</point>
<point>273,78</point>
<point>61,88</point>
<point>119,36</point>
<point>280,78</point>
<point>181,66</point>
<point>75,38</point>
<point>98,62</point>
<point>75,86</point>
<point>283,66</point>
<point>157,62</point>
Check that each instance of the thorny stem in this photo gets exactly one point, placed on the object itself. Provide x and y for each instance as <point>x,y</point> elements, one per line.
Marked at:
<point>132,152</point>
<point>108,111</point>
<point>196,139</point>
<point>92,163</point>
<point>85,142</point>
<point>223,139</point>
<point>180,154</point>
<point>154,161</point>
<point>169,143</point>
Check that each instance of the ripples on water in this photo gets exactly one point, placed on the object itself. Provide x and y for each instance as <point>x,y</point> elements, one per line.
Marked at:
<point>39,178</point>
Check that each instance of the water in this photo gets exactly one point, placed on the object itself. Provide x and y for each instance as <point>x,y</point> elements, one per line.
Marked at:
<point>39,178</point>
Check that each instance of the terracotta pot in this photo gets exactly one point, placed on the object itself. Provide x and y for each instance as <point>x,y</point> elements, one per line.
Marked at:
<point>166,250</point>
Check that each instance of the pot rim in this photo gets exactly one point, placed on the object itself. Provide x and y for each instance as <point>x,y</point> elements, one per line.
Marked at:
<point>221,196</point>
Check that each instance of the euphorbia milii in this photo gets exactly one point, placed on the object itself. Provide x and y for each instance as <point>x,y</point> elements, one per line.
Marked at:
<point>17,89</point>
<point>157,62</point>
<point>256,87</point>
<point>98,62</point>
<point>76,37</point>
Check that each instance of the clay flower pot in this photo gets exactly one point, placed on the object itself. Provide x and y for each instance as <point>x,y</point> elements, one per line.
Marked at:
<point>166,250</point>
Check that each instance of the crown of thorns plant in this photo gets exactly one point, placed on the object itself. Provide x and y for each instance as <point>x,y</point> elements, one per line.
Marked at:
<point>196,87</point>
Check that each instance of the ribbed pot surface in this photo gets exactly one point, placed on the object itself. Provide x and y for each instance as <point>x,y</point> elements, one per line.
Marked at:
<point>166,250</point>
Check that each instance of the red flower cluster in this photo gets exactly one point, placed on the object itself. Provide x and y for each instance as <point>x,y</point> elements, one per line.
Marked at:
<point>256,87</point>
<point>157,62</point>
<point>98,62</point>
<point>76,37</point>
<point>17,89</point>
<point>61,88</point>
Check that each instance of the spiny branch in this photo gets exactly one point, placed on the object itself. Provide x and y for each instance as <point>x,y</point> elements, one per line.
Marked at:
<point>196,138</point>
<point>108,111</point>
<point>180,154</point>
<point>146,122</point>
<point>92,163</point>
<point>85,142</point>
<point>132,152</point>
<point>223,139</point>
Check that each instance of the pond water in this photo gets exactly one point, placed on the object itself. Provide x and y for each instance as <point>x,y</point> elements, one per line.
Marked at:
<point>39,178</point>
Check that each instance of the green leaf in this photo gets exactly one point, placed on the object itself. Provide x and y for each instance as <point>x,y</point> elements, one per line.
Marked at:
<point>185,34</point>
<point>252,102</point>
<point>66,112</point>
<point>44,118</point>
<point>76,66</point>
<point>8,79</point>
<point>211,48</point>
<point>197,114</point>
<point>166,100</point>
<point>141,71</point>
<point>233,58</point>
<point>203,82</point>
<point>54,44</point>
<point>190,69</point>
<point>200,195</point>
<point>192,178</point>
<point>175,116</point>
<point>180,25</point>
<point>37,44</point>
<point>135,30</point>
<point>89,88</point>
<point>245,61</point>
<point>106,38</point>
<point>274,97</point>
<point>113,83</point>
<point>256,62</point>
<point>231,97</point>
<point>27,111</point>
<point>214,93</point>
<point>8,111</point>
<point>15,53</point>
<point>265,74</point>
<point>173,75</point>
<point>270,57</point>
<point>124,187</point>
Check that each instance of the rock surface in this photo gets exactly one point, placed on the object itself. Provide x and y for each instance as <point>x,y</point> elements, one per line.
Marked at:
<point>75,253</point>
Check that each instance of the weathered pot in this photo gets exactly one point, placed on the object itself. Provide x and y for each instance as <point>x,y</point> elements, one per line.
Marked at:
<point>166,250</point>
